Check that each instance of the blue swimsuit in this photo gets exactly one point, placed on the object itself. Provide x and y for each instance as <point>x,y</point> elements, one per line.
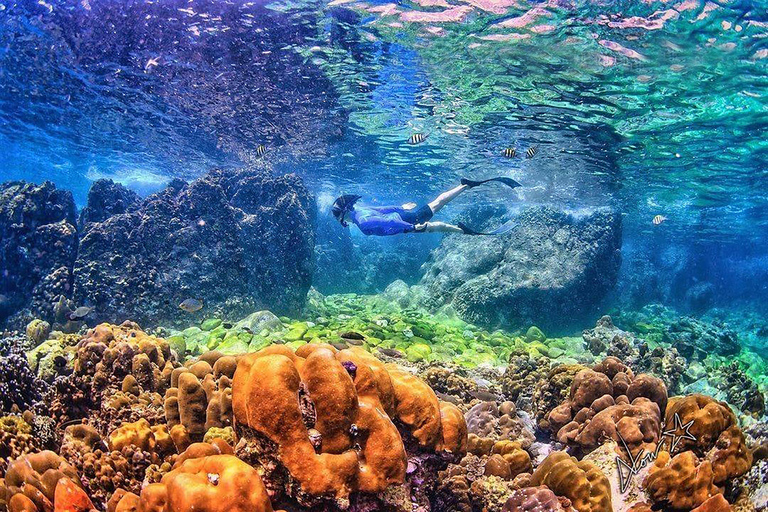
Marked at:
<point>388,220</point>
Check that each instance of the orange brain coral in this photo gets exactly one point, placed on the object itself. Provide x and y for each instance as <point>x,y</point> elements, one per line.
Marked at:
<point>327,416</point>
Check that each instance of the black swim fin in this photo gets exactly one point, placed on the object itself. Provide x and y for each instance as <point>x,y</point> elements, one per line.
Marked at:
<point>498,231</point>
<point>501,179</point>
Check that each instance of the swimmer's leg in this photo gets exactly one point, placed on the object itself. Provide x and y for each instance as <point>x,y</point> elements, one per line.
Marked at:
<point>446,197</point>
<point>437,227</point>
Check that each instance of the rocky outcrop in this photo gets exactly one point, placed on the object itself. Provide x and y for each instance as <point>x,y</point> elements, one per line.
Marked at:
<point>235,240</point>
<point>38,245</point>
<point>105,199</point>
<point>551,269</point>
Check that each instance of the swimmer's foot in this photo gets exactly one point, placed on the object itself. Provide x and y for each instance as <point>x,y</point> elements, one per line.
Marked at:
<point>501,179</point>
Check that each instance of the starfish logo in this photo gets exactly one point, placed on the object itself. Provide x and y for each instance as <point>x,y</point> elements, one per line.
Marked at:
<point>637,462</point>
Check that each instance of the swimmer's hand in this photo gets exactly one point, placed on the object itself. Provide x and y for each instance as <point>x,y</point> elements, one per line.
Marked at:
<point>409,206</point>
<point>418,228</point>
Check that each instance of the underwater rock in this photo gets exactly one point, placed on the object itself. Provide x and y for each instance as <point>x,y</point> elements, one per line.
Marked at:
<point>38,246</point>
<point>551,270</point>
<point>105,199</point>
<point>235,240</point>
<point>695,339</point>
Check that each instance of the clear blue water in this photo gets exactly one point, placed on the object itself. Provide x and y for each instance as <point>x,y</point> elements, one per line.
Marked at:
<point>651,107</point>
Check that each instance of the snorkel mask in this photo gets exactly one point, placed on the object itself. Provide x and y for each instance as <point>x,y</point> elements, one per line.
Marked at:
<point>344,205</point>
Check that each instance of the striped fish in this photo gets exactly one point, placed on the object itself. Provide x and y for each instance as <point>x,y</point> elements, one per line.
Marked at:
<point>509,152</point>
<point>658,220</point>
<point>531,151</point>
<point>417,138</point>
<point>261,149</point>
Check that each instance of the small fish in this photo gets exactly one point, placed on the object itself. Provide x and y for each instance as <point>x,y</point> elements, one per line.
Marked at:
<point>191,305</point>
<point>352,335</point>
<point>79,313</point>
<point>531,151</point>
<point>226,325</point>
<point>658,220</point>
<point>509,152</point>
<point>485,396</point>
<point>261,150</point>
<point>447,398</point>
<point>417,138</point>
<point>391,352</point>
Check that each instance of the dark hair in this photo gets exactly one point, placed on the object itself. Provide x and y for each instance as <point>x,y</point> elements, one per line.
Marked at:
<point>342,205</point>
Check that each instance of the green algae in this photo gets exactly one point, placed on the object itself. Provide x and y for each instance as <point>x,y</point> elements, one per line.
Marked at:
<point>421,335</point>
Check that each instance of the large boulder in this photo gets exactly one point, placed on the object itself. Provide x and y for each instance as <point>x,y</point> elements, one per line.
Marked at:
<point>552,269</point>
<point>235,240</point>
<point>38,245</point>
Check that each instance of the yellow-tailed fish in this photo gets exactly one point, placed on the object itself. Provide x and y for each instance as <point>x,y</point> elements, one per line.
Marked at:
<point>509,152</point>
<point>658,220</point>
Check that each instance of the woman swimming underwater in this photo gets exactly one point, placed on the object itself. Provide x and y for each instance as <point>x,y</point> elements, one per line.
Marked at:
<point>392,220</point>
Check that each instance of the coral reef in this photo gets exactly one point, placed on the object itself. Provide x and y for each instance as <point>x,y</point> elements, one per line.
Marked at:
<point>307,415</point>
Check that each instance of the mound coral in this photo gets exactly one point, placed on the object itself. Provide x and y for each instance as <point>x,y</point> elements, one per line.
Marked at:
<point>30,482</point>
<point>215,483</point>
<point>717,435</point>
<point>537,499</point>
<point>609,402</point>
<point>583,483</point>
<point>682,482</point>
<point>491,422</point>
<point>118,370</point>
<point>323,422</point>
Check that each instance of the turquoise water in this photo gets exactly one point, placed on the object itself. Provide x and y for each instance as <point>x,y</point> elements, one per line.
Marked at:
<point>653,108</point>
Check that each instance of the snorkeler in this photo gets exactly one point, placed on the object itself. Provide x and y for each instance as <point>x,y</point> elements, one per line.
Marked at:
<point>392,220</point>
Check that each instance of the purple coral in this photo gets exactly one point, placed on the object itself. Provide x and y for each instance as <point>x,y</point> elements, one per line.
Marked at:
<point>18,384</point>
<point>351,368</point>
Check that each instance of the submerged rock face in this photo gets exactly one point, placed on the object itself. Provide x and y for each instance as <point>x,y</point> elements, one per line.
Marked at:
<point>38,245</point>
<point>235,240</point>
<point>552,268</point>
<point>107,198</point>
